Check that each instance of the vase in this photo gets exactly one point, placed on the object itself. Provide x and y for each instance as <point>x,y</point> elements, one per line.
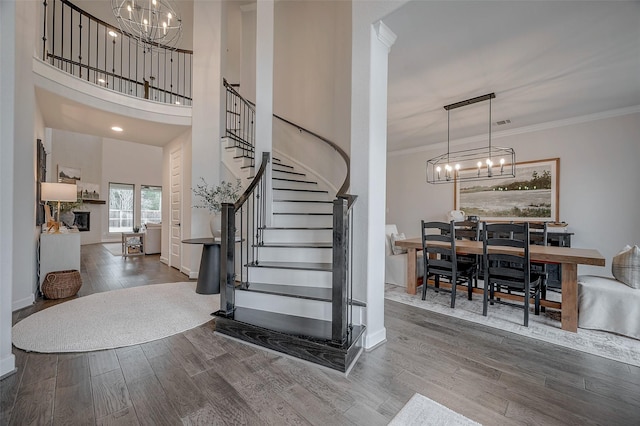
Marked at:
<point>215,222</point>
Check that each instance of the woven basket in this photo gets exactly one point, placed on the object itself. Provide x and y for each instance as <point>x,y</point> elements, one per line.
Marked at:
<point>61,284</point>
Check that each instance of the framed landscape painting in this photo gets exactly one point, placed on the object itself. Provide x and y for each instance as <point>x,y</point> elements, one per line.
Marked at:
<point>533,195</point>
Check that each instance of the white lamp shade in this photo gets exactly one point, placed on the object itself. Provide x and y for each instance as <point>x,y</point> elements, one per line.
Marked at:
<point>53,191</point>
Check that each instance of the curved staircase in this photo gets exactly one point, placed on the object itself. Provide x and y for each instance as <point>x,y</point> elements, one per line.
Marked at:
<point>286,299</point>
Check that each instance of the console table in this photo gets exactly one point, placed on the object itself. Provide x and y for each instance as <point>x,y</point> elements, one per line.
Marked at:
<point>209,272</point>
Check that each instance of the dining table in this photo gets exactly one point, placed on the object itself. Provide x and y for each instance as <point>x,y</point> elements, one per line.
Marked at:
<point>567,257</point>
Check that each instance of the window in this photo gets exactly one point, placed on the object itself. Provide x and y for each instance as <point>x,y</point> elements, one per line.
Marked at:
<point>120,207</point>
<point>151,204</point>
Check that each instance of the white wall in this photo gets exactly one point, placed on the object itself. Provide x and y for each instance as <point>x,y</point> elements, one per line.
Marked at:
<point>599,177</point>
<point>312,66</point>
<point>103,160</point>
<point>24,176</point>
<point>128,162</point>
<point>7,96</point>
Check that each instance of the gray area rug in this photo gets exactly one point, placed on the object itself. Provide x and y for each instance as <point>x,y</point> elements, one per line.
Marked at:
<point>117,318</point>
<point>545,326</point>
<point>421,410</point>
<point>114,248</point>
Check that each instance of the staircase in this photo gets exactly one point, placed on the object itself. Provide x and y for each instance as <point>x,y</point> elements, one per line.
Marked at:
<point>285,301</point>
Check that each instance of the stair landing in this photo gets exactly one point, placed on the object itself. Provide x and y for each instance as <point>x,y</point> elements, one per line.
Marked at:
<point>300,337</point>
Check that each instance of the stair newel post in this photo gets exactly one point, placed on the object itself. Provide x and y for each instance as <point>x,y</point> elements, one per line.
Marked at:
<point>227,263</point>
<point>339,280</point>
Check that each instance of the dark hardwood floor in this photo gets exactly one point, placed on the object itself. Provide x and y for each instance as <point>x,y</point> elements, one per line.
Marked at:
<point>199,377</point>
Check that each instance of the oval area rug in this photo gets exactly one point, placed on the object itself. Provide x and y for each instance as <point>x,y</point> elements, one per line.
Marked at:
<point>115,318</point>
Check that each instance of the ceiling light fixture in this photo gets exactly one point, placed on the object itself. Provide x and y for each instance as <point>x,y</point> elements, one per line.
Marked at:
<point>471,164</point>
<point>116,129</point>
<point>155,23</point>
<point>113,33</point>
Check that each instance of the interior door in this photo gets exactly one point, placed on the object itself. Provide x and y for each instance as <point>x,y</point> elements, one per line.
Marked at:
<point>175,244</point>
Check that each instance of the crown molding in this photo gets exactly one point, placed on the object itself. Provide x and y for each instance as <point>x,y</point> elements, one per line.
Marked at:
<point>521,130</point>
<point>384,34</point>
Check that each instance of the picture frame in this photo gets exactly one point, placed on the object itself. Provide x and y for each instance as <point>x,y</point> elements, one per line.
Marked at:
<point>68,174</point>
<point>533,195</point>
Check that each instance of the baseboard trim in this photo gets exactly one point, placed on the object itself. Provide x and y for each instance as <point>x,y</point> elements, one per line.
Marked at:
<point>193,275</point>
<point>373,340</point>
<point>23,303</point>
<point>164,260</point>
<point>7,366</point>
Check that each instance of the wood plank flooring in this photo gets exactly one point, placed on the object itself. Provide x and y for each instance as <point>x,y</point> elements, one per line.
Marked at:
<point>201,378</point>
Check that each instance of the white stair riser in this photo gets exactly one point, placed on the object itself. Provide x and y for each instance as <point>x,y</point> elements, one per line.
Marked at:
<point>284,305</point>
<point>292,306</point>
<point>301,207</point>
<point>301,195</point>
<point>302,220</point>
<point>294,185</point>
<point>283,173</point>
<point>290,277</point>
<point>298,235</point>
<point>290,254</point>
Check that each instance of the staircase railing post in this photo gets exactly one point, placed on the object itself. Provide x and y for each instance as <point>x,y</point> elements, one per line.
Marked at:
<point>227,261</point>
<point>339,302</point>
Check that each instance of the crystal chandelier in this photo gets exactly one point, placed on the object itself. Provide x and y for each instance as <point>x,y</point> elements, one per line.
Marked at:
<point>155,23</point>
<point>471,164</point>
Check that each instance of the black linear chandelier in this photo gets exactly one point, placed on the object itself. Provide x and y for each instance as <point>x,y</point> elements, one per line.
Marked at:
<point>489,162</point>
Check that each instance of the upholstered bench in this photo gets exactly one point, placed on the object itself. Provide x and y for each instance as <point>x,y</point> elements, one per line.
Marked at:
<point>396,261</point>
<point>609,305</point>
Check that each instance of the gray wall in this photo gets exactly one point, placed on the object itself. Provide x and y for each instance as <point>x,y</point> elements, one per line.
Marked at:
<point>599,177</point>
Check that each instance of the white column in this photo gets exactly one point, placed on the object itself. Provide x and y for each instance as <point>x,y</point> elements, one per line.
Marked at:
<point>370,47</point>
<point>7,94</point>
<point>264,89</point>
<point>209,29</point>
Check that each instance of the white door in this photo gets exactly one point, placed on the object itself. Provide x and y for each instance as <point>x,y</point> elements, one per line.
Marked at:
<point>175,244</point>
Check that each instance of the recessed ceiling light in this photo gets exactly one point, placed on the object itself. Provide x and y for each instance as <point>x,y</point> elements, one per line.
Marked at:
<point>116,129</point>
<point>113,33</point>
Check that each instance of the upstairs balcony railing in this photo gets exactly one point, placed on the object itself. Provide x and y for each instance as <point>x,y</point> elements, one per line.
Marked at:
<point>87,47</point>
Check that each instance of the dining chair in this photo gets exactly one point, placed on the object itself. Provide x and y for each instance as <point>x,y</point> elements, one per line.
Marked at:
<point>441,260</point>
<point>512,271</point>
<point>538,234</point>
<point>470,231</point>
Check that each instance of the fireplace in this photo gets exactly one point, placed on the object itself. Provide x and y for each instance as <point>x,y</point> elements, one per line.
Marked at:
<point>82,221</point>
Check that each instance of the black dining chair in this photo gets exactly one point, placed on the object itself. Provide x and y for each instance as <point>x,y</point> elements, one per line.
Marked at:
<point>470,231</point>
<point>538,235</point>
<point>441,260</point>
<point>507,272</point>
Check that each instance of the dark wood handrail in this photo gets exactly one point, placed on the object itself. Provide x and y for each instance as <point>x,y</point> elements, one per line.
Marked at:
<point>116,29</point>
<point>231,88</point>
<point>342,192</point>
<point>247,193</point>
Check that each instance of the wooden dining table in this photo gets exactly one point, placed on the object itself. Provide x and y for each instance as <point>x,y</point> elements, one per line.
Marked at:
<point>569,258</point>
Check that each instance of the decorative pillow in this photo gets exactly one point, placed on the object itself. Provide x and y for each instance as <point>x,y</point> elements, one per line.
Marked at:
<point>626,266</point>
<point>397,237</point>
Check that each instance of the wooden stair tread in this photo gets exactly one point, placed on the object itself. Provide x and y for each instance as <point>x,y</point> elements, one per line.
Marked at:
<point>320,191</point>
<point>303,214</point>
<point>306,266</point>
<point>297,245</point>
<point>322,294</point>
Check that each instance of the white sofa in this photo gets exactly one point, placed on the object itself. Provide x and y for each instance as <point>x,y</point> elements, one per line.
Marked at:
<point>609,305</point>
<point>395,271</point>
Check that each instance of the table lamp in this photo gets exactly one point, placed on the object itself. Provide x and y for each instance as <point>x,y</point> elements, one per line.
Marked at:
<point>54,191</point>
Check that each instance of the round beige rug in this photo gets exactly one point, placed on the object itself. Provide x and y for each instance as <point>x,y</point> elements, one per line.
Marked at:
<point>115,318</point>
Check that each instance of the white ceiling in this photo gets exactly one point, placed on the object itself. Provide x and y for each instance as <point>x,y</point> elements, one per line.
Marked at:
<point>545,61</point>
<point>62,113</point>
